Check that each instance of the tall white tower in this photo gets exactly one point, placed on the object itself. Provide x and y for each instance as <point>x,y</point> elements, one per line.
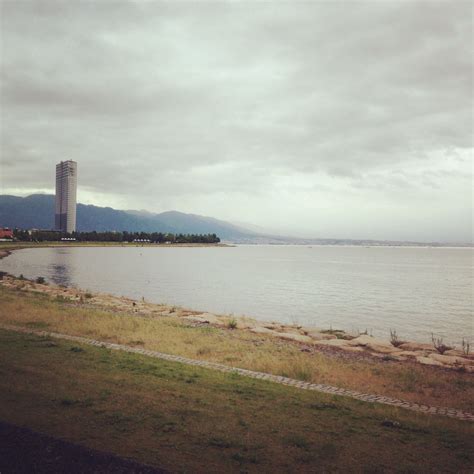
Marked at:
<point>66,188</point>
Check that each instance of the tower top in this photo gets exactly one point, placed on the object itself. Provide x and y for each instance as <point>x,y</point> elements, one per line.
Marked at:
<point>68,161</point>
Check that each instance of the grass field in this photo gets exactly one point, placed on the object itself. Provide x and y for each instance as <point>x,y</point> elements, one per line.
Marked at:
<point>409,381</point>
<point>188,419</point>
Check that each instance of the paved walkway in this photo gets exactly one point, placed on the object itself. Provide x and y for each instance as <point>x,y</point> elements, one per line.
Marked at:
<point>450,412</point>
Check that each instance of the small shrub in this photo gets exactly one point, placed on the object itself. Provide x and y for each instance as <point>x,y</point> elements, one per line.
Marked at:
<point>238,457</point>
<point>67,402</point>
<point>48,344</point>
<point>394,340</point>
<point>203,351</point>
<point>391,424</point>
<point>409,380</point>
<point>220,442</point>
<point>40,280</point>
<point>37,324</point>
<point>243,423</point>
<point>466,346</point>
<point>232,324</point>
<point>137,342</point>
<point>21,276</point>
<point>297,441</point>
<point>88,295</point>
<point>245,458</point>
<point>439,345</point>
<point>323,406</point>
<point>339,333</point>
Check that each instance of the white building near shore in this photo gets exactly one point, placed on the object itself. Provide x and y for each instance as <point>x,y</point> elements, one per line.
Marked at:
<point>66,191</point>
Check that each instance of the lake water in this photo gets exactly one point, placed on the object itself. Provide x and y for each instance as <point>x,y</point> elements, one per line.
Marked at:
<point>413,290</point>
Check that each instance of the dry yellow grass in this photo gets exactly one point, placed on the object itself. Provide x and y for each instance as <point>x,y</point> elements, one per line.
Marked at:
<point>239,348</point>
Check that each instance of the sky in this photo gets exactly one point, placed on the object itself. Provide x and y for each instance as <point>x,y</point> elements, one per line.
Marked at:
<point>313,119</point>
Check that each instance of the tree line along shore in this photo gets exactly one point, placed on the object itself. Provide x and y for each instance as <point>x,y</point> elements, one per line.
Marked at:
<point>116,237</point>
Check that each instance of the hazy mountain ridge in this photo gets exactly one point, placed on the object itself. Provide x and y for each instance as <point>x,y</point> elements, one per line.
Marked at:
<point>37,211</point>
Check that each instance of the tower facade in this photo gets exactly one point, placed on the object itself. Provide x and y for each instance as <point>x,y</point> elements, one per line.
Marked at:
<point>66,187</point>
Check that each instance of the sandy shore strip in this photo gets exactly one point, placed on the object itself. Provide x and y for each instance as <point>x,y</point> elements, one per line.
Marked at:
<point>309,339</point>
<point>4,253</point>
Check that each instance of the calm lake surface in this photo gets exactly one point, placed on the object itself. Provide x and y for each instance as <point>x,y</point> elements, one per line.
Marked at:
<point>413,290</point>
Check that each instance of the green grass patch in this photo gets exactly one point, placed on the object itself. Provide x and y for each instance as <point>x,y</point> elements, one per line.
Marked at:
<point>37,324</point>
<point>188,419</point>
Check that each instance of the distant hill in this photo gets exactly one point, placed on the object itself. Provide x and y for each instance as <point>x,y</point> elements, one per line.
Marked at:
<point>37,211</point>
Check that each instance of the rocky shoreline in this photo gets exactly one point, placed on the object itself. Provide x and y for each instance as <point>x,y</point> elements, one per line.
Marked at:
<point>308,339</point>
<point>5,253</point>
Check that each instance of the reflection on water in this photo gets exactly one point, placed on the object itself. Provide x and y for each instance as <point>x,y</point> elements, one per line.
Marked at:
<point>59,269</point>
<point>413,290</point>
<point>59,274</point>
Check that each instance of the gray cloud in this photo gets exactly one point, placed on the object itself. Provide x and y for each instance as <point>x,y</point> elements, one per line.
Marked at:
<point>228,100</point>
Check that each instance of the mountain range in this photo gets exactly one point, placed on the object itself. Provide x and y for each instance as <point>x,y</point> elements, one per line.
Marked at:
<point>37,212</point>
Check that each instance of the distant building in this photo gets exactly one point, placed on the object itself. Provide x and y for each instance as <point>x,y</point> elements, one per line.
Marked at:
<point>6,234</point>
<point>66,186</point>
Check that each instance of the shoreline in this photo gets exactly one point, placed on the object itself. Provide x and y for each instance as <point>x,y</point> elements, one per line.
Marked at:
<point>347,333</point>
<point>5,253</point>
<point>357,364</point>
<point>7,248</point>
<point>10,247</point>
<point>309,339</point>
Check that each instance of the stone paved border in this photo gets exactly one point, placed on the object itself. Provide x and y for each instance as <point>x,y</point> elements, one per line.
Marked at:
<point>430,410</point>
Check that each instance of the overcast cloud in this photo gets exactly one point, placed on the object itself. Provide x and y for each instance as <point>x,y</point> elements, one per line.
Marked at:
<point>342,119</point>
